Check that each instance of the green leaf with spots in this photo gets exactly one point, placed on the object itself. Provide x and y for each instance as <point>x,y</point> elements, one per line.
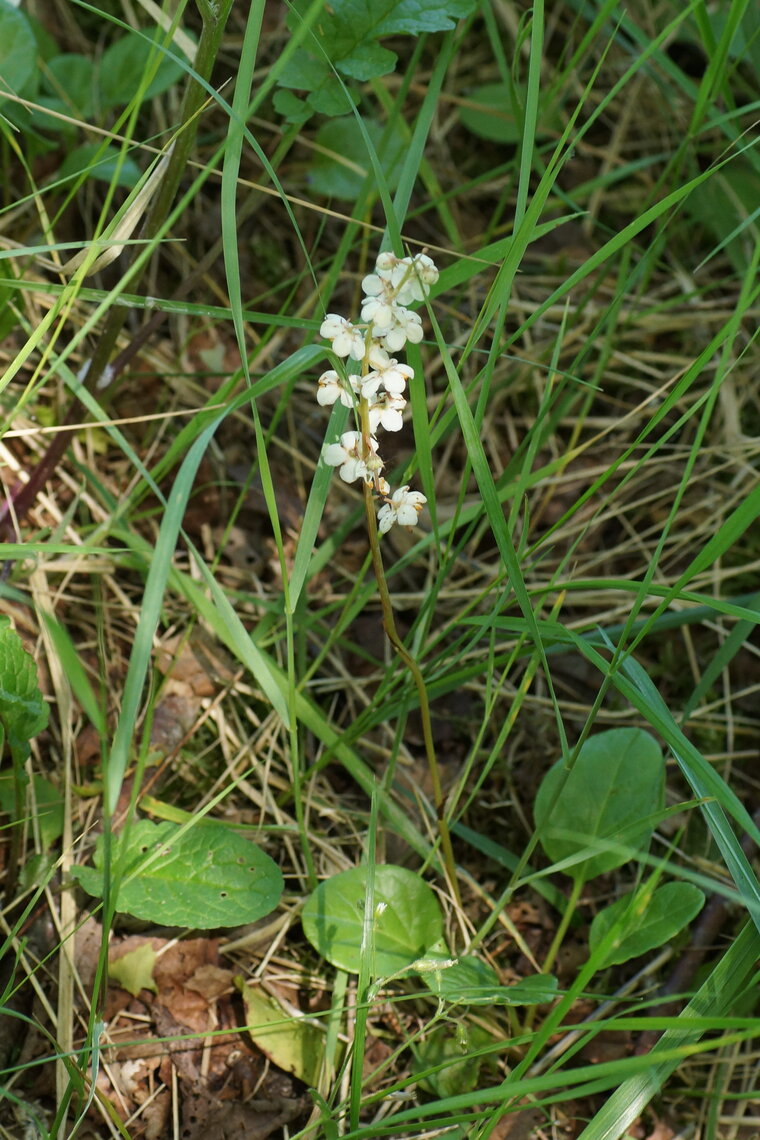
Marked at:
<point>204,876</point>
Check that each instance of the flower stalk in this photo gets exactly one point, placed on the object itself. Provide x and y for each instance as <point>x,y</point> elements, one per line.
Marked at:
<point>376,393</point>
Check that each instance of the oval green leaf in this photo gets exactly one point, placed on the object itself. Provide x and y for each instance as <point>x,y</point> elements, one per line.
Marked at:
<point>106,163</point>
<point>208,876</point>
<point>645,924</point>
<point>608,803</point>
<point>447,1061</point>
<point>125,62</point>
<point>18,49</point>
<point>490,113</point>
<point>72,77</point>
<point>340,169</point>
<point>470,981</point>
<point>406,919</point>
<point>23,711</point>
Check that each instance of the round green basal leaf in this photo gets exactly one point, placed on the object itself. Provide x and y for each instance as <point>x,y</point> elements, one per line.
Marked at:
<point>124,63</point>
<point>209,876</point>
<point>73,75</point>
<point>610,797</point>
<point>18,49</point>
<point>406,919</point>
<point>648,924</point>
<point>470,981</point>
<point>489,113</point>
<point>340,169</point>
<point>455,1051</point>
<point>106,163</point>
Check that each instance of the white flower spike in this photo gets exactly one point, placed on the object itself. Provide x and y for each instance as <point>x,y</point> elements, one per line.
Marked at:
<point>377,394</point>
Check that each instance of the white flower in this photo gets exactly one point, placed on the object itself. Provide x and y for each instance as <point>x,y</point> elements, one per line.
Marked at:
<point>385,263</point>
<point>351,457</point>
<point>347,340</point>
<point>402,508</point>
<point>373,285</point>
<point>385,412</point>
<point>377,356</point>
<point>379,311</point>
<point>406,327</point>
<point>332,388</point>
<point>422,274</point>
<point>392,376</point>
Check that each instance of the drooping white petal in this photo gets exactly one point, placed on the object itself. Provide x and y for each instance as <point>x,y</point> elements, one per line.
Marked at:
<point>372,285</point>
<point>351,457</point>
<point>347,340</point>
<point>403,508</point>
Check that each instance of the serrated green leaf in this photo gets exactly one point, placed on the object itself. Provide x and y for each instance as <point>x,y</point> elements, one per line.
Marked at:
<point>406,920</point>
<point>347,36</point>
<point>367,61</point>
<point>293,109</point>
<point>205,876</point>
<point>645,921</point>
<point>23,712</point>
<point>608,800</point>
<point>355,22</point>
<point>18,49</point>
<point>303,72</point>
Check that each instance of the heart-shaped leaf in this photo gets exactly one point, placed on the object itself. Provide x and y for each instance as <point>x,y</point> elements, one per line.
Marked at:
<point>406,919</point>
